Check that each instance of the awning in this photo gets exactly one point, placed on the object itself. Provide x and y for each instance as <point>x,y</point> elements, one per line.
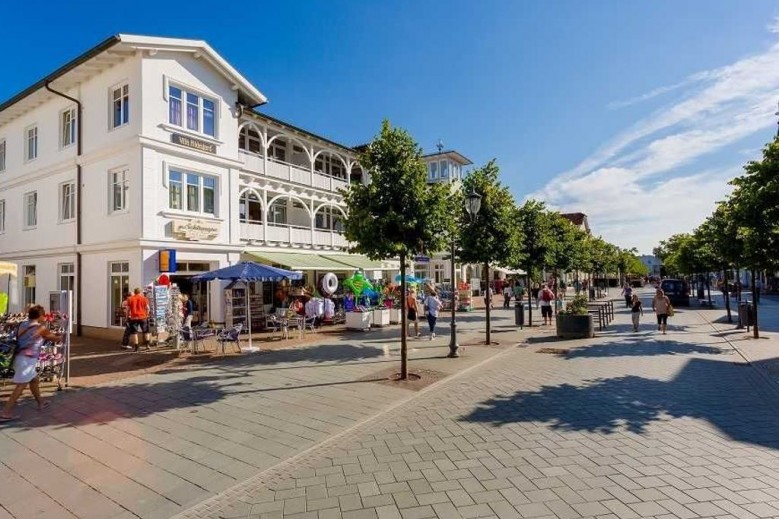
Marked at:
<point>358,261</point>
<point>8,268</point>
<point>296,260</point>
<point>509,272</point>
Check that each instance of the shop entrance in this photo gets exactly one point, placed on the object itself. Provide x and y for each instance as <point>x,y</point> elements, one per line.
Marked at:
<point>198,292</point>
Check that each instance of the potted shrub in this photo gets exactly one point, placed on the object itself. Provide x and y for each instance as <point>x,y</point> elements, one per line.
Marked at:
<point>574,322</point>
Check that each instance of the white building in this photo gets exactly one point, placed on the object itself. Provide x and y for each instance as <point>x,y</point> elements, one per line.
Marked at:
<point>146,144</point>
<point>653,263</point>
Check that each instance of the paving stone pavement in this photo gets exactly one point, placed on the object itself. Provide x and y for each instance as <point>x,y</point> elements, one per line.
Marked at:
<point>160,443</point>
<point>625,425</point>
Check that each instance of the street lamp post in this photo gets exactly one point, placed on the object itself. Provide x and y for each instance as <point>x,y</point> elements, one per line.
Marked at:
<point>453,346</point>
<point>472,206</point>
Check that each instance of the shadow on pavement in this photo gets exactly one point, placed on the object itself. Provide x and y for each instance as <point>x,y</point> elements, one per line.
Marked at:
<point>707,389</point>
<point>642,346</point>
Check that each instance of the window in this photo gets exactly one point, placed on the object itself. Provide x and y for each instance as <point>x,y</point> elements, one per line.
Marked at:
<point>277,150</point>
<point>120,106</point>
<point>200,111</point>
<point>329,218</point>
<point>444,171</point>
<point>331,166</point>
<point>250,208</point>
<point>433,170</point>
<point>67,276</point>
<point>2,216</point>
<point>250,141</point>
<point>119,285</point>
<point>68,127</point>
<point>119,186</point>
<point>278,212</point>
<point>31,209</point>
<point>28,297</point>
<point>67,201</point>
<point>200,194</point>
<point>31,151</point>
<point>2,155</point>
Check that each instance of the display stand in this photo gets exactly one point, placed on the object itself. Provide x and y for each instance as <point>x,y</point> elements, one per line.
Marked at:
<point>236,301</point>
<point>464,297</point>
<point>358,320</point>
<point>381,317</point>
<point>395,315</point>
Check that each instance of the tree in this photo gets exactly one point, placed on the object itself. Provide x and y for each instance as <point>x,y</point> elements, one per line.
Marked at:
<point>532,220</point>
<point>720,233</point>
<point>398,214</point>
<point>566,245</point>
<point>756,215</point>
<point>492,236</point>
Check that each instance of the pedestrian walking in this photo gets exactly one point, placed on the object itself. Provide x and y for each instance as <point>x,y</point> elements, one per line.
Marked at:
<point>627,292</point>
<point>546,297</point>
<point>662,307</point>
<point>126,315</point>
<point>636,311</point>
<point>189,310</point>
<point>432,306</point>
<point>534,292</point>
<point>30,337</point>
<point>138,318</point>
<point>412,312</point>
<point>488,297</point>
<point>507,296</point>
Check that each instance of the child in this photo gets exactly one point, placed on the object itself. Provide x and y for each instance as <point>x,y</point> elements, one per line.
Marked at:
<point>636,310</point>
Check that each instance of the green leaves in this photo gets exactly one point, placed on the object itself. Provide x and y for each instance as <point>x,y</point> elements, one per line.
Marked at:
<point>398,211</point>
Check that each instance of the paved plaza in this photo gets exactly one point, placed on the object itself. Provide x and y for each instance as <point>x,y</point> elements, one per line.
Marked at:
<point>624,425</point>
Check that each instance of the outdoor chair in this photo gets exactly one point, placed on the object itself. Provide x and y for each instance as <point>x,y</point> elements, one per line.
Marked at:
<point>231,336</point>
<point>309,324</point>
<point>274,324</point>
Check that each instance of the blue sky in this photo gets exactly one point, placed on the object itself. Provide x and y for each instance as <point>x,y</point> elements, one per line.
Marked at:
<point>633,112</point>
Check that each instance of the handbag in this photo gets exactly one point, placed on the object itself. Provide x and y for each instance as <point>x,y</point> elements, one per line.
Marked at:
<point>670,310</point>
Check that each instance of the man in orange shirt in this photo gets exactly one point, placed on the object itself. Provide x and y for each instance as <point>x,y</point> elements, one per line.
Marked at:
<point>138,318</point>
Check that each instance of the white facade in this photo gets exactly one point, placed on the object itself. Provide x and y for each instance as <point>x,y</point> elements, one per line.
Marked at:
<point>165,164</point>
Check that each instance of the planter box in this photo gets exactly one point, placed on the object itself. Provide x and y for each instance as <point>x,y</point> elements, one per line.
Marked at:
<point>358,320</point>
<point>381,317</point>
<point>395,315</point>
<point>575,326</point>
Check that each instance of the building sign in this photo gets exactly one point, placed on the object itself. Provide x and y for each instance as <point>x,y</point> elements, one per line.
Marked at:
<point>421,259</point>
<point>195,230</point>
<point>167,259</point>
<point>196,144</point>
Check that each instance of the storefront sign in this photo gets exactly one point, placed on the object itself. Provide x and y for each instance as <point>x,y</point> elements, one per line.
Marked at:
<point>195,144</point>
<point>167,259</point>
<point>421,259</point>
<point>195,230</point>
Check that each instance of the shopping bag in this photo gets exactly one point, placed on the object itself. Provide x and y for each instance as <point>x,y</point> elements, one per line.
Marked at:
<point>670,310</point>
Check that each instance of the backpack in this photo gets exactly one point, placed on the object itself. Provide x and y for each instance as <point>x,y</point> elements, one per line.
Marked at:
<point>547,295</point>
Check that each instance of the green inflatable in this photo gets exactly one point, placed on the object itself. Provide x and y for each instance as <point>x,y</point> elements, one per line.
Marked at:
<point>357,284</point>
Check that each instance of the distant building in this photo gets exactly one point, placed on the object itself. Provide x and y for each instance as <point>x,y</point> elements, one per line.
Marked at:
<point>653,263</point>
<point>579,220</point>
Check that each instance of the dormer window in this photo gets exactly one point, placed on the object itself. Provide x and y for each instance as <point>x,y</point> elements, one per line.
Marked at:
<point>191,111</point>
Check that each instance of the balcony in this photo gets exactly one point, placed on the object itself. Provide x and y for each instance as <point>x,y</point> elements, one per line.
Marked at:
<point>252,231</point>
<point>292,235</point>
<point>297,174</point>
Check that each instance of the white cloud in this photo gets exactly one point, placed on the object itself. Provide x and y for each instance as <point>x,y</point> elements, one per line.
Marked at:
<point>642,186</point>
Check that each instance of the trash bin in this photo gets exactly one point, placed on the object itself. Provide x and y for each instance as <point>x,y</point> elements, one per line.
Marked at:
<point>745,314</point>
<point>519,314</point>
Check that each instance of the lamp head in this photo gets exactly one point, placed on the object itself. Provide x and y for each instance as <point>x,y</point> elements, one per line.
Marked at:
<point>473,203</point>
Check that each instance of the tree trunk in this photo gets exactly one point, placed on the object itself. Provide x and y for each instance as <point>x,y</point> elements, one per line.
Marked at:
<point>489,302</point>
<point>708,287</point>
<point>403,320</point>
<point>755,332</point>
<point>726,293</point>
<point>529,302</point>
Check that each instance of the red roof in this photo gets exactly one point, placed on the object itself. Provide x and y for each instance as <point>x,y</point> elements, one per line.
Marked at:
<point>575,218</point>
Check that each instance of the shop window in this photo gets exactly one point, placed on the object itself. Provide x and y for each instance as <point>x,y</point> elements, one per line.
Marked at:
<point>67,276</point>
<point>119,284</point>
<point>250,208</point>
<point>249,140</point>
<point>28,297</point>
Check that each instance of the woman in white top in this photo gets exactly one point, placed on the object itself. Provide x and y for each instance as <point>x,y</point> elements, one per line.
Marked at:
<point>432,306</point>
